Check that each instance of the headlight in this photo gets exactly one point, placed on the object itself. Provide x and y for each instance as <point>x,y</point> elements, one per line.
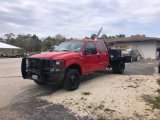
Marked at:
<point>58,64</point>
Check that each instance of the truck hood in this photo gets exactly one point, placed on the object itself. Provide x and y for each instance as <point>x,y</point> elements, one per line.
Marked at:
<point>56,55</point>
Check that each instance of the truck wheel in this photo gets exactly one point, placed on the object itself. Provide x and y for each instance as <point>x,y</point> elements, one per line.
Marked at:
<point>39,82</point>
<point>114,69</point>
<point>72,80</point>
<point>120,67</point>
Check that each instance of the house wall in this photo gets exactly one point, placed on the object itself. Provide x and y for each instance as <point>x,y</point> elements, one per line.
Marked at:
<point>146,48</point>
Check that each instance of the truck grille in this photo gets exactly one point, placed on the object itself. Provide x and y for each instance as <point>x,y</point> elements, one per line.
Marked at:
<point>37,64</point>
<point>34,64</point>
<point>47,64</point>
<point>31,67</point>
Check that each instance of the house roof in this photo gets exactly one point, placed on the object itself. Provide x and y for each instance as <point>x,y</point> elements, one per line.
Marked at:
<point>4,45</point>
<point>135,38</point>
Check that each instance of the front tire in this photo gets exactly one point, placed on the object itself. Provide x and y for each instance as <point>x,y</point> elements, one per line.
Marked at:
<point>72,80</point>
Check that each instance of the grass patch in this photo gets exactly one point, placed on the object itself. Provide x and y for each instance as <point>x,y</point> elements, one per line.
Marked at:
<point>158,81</point>
<point>100,107</point>
<point>158,90</point>
<point>108,110</point>
<point>133,86</point>
<point>147,109</point>
<point>69,103</point>
<point>155,102</point>
<point>86,93</point>
<point>89,107</point>
<point>82,98</point>
<point>76,103</point>
<point>147,98</point>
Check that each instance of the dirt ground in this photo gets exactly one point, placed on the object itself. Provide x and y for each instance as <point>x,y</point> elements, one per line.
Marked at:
<point>101,95</point>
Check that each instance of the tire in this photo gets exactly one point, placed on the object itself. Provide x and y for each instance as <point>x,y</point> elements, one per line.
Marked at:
<point>72,80</point>
<point>39,82</point>
<point>121,67</point>
<point>114,69</point>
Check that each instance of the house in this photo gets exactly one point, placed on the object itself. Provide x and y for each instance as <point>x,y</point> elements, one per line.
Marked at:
<point>147,46</point>
<point>8,49</point>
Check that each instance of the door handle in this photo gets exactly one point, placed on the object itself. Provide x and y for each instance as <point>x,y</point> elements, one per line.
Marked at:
<point>98,55</point>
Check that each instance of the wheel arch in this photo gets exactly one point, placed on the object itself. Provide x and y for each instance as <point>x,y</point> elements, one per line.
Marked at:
<point>75,66</point>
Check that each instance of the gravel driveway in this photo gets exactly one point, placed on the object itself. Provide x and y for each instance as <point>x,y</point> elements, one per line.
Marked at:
<point>100,95</point>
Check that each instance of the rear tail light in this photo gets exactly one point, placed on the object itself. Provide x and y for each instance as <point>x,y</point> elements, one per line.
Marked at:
<point>125,55</point>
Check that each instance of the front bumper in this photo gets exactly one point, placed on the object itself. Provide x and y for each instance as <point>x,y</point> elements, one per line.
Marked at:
<point>40,69</point>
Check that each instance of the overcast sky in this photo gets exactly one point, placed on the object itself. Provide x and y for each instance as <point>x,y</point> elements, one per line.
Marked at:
<point>80,18</point>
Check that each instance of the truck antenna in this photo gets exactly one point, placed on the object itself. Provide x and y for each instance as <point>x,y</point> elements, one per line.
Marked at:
<point>98,34</point>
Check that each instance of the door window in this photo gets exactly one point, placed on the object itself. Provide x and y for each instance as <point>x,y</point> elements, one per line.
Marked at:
<point>90,48</point>
<point>101,47</point>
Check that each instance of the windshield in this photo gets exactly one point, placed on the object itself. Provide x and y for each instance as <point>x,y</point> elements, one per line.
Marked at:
<point>70,46</point>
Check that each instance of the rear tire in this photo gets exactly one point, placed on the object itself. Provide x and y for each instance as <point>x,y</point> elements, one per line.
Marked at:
<point>119,69</point>
<point>39,82</point>
<point>114,69</point>
<point>72,80</point>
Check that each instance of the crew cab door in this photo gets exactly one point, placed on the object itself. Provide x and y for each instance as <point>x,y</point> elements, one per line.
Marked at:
<point>103,55</point>
<point>90,58</point>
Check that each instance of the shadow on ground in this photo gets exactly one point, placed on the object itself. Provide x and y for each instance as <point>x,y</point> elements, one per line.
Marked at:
<point>37,109</point>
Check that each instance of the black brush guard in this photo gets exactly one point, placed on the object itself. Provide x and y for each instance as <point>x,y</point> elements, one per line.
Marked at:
<point>42,68</point>
<point>37,66</point>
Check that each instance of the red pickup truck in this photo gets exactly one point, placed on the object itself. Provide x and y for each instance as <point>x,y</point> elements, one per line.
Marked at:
<point>69,61</point>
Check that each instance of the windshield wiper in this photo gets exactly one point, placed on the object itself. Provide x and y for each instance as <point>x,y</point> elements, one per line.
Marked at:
<point>65,50</point>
